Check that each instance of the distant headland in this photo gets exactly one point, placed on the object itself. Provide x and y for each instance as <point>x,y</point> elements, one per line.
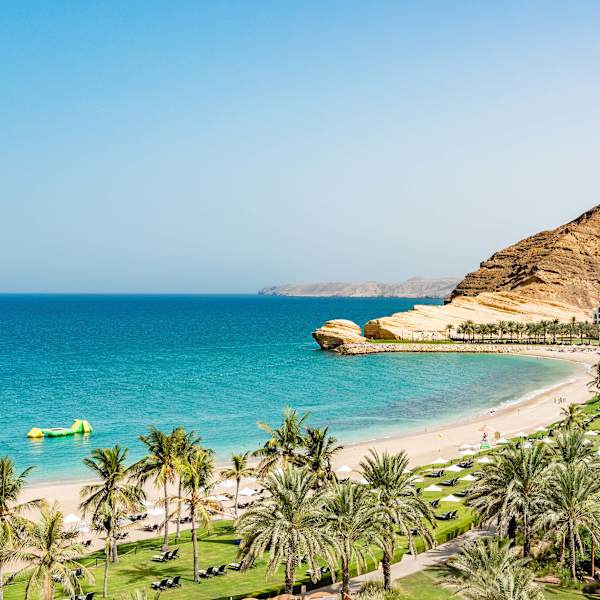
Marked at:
<point>415,287</point>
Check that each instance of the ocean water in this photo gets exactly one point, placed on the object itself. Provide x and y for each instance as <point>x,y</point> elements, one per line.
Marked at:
<point>217,364</point>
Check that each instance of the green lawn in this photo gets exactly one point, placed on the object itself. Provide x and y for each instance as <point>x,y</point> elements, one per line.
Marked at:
<point>411,341</point>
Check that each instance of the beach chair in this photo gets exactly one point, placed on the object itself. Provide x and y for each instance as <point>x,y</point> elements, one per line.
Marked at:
<point>174,554</point>
<point>235,566</point>
<point>449,482</point>
<point>462,494</point>
<point>221,570</point>
<point>162,557</point>
<point>87,543</point>
<point>435,503</point>
<point>447,516</point>
<point>465,464</point>
<point>212,571</point>
<point>436,474</point>
<point>175,582</point>
<point>203,573</point>
<point>160,585</point>
<point>89,596</point>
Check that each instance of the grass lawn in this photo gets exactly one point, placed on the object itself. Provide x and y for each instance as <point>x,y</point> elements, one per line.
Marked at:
<point>411,341</point>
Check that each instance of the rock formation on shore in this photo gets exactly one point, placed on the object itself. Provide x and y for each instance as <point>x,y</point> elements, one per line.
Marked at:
<point>416,287</point>
<point>337,332</point>
<point>551,275</point>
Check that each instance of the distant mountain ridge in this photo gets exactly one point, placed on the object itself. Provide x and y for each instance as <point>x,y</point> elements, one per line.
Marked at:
<point>415,287</point>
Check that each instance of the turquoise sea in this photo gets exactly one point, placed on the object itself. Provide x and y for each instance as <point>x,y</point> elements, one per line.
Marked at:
<point>217,364</point>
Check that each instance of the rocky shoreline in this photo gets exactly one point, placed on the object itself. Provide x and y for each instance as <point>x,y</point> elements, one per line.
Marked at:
<point>359,348</point>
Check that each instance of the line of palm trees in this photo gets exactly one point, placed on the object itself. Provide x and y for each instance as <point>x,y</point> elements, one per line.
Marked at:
<point>534,332</point>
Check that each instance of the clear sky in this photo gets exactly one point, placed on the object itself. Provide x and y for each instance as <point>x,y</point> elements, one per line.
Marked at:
<point>223,146</point>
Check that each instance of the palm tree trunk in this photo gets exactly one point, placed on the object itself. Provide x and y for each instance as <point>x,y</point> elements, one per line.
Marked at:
<point>106,557</point>
<point>194,543</point>
<point>572,549</point>
<point>289,574</point>
<point>115,551</point>
<point>178,526</point>
<point>1,582</point>
<point>345,578</point>
<point>237,491</point>
<point>387,572</point>
<point>165,545</point>
<point>526,540</point>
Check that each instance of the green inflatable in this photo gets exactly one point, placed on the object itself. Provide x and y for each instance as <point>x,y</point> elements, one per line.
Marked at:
<point>78,426</point>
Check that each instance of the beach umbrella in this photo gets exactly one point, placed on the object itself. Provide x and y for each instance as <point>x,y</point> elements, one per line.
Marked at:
<point>591,433</point>
<point>587,442</point>
<point>454,468</point>
<point>432,488</point>
<point>344,469</point>
<point>468,452</point>
<point>540,428</point>
<point>440,461</point>
<point>156,512</point>
<point>467,477</point>
<point>450,498</point>
<point>418,480</point>
<point>71,519</point>
<point>227,484</point>
<point>521,434</point>
<point>486,460</point>
<point>527,445</point>
<point>502,441</point>
<point>247,492</point>
<point>465,447</point>
<point>547,440</point>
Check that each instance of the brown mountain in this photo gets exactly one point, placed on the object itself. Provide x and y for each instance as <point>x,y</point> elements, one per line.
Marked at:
<point>561,264</point>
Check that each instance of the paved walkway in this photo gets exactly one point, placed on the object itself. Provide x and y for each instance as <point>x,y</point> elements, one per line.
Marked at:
<point>409,564</point>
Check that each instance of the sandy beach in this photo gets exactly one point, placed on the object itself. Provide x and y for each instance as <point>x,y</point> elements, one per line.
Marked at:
<point>422,447</point>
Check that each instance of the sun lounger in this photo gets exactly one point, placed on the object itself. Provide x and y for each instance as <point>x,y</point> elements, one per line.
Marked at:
<point>175,582</point>
<point>235,566</point>
<point>435,503</point>
<point>212,571</point>
<point>449,482</point>
<point>221,570</point>
<point>465,464</point>
<point>174,554</point>
<point>436,474</point>
<point>162,557</point>
<point>462,494</point>
<point>160,585</point>
<point>447,516</point>
<point>203,573</point>
<point>87,543</point>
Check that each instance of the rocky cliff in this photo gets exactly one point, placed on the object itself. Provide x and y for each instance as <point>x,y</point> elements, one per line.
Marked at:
<point>416,287</point>
<point>337,332</point>
<point>551,275</point>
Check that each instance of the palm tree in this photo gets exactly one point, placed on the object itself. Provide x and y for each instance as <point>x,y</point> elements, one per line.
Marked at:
<point>489,569</point>
<point>288,524</point>
<point>571,448</point>
<point>449,329</point>
<point>114,493</point>
<point>594,384</point>
<point>389,477</point>
<point>572,329</point>
<point>160,465</point>
<point>512,489</point>
<point>572,417</point>
<point>281,449</point>
<point>239,470</point>
<point>11,512</point>
<point>501,329</point>
<point>196,471</point>
<point>573,505</point>
<point>320,449</point>
<point>51,554</point>
<point>184,444</point>
<point>354,521</point>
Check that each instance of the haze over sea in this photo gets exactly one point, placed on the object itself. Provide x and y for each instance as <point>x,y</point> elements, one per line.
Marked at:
<point>217,364</point>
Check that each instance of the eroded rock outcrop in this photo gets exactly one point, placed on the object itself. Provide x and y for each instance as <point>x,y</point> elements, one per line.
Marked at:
<point>337,332</point>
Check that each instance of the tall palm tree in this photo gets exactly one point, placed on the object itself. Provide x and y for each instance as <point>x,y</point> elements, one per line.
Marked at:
<point>573,505</point>
<point>320,449</point>
<point>571,447</point>
<point>159,465</point>
<point>115,493</point>
<point>51,554</point>
<point>389,477</point>
<point>185,442</point>
<point>239,470</point>
<point>354,522</point>
<point>572,416</point>
<point>288,524</point>
<point>512,489</point>
<point>196,470</point>
<point>449,329</point>
<point>11,512</point>
<point>488,569</point>
<point>282,448</point>
<point>594,384</point>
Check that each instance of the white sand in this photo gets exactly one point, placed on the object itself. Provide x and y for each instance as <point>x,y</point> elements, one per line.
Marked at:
<point>422,447</point>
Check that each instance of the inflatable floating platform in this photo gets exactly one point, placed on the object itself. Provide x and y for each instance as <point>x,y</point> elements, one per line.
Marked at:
<point>78,426</point>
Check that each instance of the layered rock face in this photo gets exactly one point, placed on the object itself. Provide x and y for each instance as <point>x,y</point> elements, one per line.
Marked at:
<point>562,265</point>
<point>337,332</point>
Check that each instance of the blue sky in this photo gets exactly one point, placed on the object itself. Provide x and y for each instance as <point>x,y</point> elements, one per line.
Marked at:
<point>220,147</point>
